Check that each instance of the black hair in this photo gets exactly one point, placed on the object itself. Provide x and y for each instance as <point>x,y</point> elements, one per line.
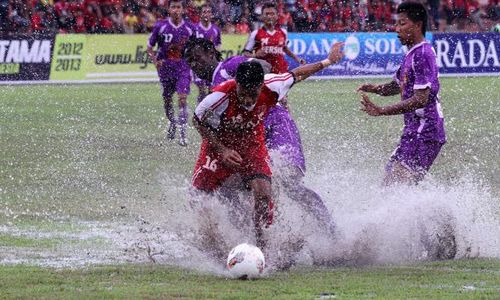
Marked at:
<point>199,43</point>
<point>250,74</point>
<point>416,12</point>
<point>205,6</point>
<point>269,5</point>
<point>181,1</point>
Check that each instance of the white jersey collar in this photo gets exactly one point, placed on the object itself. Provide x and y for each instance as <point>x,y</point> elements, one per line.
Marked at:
<point>417,46</point>
<point>206,28</point>
<point>173,25</point>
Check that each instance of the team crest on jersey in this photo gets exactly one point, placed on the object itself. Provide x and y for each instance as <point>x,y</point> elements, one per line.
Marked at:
<point>238,123</point>
<point>265,41</point>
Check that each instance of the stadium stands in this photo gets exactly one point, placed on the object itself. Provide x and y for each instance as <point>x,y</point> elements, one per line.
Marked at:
<point>237,16</point>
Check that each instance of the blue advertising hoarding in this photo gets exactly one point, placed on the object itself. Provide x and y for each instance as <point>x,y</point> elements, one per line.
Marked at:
<point>468,53</point>
<point>366,54</point>
<point>379,54</point>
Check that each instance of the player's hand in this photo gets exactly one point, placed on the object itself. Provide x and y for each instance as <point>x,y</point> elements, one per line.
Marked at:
<point>368,88</point>
<point>158,63</point>
<point>336,52</point>
<point>231,158</point>
<point>369,107</point>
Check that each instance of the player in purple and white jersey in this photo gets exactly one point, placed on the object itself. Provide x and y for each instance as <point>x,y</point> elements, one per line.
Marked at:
<point>417,81</point>
<point>205,29</point>
<point>170,35</point>
<point>281,133</point>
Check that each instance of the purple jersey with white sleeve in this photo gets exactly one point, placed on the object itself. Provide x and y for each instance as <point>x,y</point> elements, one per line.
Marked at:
<point>283,136</point>
<point>211,33</point>
<point>420,71</point>
<point>171,39</point>
<point>226,69</point>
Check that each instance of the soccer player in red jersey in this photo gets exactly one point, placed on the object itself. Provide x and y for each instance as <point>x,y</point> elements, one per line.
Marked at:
<point>269,42</point>
<point>230,121</point>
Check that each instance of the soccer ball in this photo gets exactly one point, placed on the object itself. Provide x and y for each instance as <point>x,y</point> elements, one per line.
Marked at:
<point>245,261</point>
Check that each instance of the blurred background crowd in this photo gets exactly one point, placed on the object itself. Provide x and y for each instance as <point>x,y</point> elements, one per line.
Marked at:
<point>238,16</point>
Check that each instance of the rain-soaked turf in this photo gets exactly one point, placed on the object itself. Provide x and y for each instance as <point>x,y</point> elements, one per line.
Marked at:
<point>80,163</point>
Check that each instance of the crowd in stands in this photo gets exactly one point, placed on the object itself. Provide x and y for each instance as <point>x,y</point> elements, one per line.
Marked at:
<point>237,16</point>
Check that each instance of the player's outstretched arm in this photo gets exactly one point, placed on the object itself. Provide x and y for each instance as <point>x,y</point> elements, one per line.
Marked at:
<point>335,55</point>
<point>418,100</point>
<point>292,55</point>
<point>387,89</point>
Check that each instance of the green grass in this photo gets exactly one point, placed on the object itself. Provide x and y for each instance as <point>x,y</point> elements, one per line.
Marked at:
<point>98,153</point>
<point>445,280</point>
<point>65,149</point>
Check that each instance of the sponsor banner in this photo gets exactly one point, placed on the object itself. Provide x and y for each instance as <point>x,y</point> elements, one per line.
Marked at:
<point>233,44</point>
<point>118,56</point>
<point>68,61</point>
<point>25,58</point>
<point>366,54</point>
<point>463,53</point>
<point>114,57</point>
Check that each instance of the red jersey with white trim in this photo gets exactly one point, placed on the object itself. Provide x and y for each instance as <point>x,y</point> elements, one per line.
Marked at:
<point>272,43</point>
<point>238,128</point>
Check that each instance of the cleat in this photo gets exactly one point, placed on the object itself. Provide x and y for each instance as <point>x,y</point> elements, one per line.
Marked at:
<point>183,142</point>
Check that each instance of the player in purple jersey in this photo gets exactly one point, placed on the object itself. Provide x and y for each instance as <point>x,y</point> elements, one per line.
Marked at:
<point>170,35</point>
<point>205,29</point>
<point>281,133</point>
<point>417,81</point>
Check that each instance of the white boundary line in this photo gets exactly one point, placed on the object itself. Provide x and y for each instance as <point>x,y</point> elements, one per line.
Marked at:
<point>138,80</point>
<point>120,74</point>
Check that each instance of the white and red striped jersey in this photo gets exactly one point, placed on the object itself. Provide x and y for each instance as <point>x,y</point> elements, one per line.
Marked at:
<point>235,124</point>
<point>272,43</point>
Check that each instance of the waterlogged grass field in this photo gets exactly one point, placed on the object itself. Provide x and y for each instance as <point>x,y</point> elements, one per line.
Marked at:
<point>80,165</point>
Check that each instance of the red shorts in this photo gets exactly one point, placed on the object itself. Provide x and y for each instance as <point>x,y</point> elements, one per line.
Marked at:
<point>210,173</point>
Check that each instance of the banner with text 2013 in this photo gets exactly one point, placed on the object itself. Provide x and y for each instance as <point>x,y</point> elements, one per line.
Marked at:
<point>366,54</point>
<point>114,57</point>
<point>101,57</point>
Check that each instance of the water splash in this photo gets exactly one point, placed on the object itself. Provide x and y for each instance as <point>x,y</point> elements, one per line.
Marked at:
<point>376,225</point>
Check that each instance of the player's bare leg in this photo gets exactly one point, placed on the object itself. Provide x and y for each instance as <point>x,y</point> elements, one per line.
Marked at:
<point>398,173</point>
<point>263,208</point>
<point>183,115</point>
<point>169,112</point>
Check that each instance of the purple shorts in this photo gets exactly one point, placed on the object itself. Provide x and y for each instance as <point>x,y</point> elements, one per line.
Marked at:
<point>174,77</point>
<point>417,155</point>
<point>283,135</point>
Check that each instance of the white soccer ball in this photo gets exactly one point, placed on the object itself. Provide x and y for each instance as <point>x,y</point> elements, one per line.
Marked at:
<point>245,261</point>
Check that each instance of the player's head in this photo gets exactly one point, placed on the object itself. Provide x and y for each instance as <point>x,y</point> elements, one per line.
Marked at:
<point>269,14</point>
<point>249,81</point>
<point>206,13</point>
<point>411,22</point>
<point>176,9</point>
<point>202,57</point>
